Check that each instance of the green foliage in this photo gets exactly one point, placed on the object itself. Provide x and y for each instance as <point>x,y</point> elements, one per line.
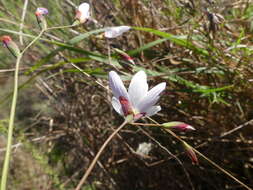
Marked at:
<point>3,127</point>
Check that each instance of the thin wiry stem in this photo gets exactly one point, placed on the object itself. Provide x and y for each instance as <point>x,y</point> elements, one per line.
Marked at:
<point>86,74</point>
<point>170,153</point>
<point>22,22</point>
<point>61,27</point>
<point>206,158</point>
<point>94,161</point>
<point>33,41</point>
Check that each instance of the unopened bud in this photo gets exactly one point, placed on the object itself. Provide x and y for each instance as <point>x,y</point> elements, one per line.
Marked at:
<point>83,13</point>
<point>178,125</point>
<point>11,45</point>
<point>125,56</point>
<point>114,32</point>
<point>40,15</point>
<point>190,152</point>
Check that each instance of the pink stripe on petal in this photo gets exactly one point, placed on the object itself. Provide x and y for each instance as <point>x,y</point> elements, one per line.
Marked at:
<point>126,106</point>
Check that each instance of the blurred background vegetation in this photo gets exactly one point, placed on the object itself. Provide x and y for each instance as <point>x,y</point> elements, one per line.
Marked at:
<point>202,49</point>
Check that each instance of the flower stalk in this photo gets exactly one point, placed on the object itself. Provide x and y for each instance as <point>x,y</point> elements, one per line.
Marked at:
<point>12,114</point>
<point>203,156</point>
<point>40,15</point>
<point>10,127</point>
<point>94,161</point>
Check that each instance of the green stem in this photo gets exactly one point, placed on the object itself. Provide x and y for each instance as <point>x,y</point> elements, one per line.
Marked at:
<point>61,27</point>
<point>10,128</point>
<point>12,116</point>
<point>32,42</point>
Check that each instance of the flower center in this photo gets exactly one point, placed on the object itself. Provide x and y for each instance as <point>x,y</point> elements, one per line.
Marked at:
<point>126,106</point>
<point>128,109</point>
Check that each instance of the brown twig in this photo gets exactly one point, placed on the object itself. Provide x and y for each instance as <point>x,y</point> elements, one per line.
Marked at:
<point>94,161</point>
<point>206,158</point>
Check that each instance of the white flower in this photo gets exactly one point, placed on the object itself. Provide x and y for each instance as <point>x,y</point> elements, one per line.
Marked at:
<point>113,32</point>
<point>138,101</point>
<point>144,149</point>
<point>83,12</point>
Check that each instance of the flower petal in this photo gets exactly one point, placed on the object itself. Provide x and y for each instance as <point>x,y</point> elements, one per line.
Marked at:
<point>83,12</point>
<point>113,32</point>
<point>153,110</point>
<point>117,86</point>
<point>151,98</point>
<point>138,88</point>
<point>41,11</point>
<point>117,106</point>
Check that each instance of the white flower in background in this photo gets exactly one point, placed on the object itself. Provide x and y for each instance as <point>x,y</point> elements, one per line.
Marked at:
<point>83,12</point>
<point>113,32</point>
<point>144,149</point>
<point>138,101</point>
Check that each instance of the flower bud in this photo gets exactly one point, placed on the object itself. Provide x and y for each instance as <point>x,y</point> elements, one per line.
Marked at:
<point>178,125</point>
<point>11,45</point>
<point>114,32</point>
<point>83,13</point>
<point>190,152</point>
<point>40,15</point>
<point>125,56</point>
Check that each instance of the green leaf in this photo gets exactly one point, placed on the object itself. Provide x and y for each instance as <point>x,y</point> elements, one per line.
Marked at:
<point>179,40</point>
<point>146,46</point>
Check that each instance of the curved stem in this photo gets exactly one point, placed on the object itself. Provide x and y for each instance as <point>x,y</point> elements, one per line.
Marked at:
<point>32,42</point>
<point>10,128</point>
<point>202,155</point>
<point>94,161</point>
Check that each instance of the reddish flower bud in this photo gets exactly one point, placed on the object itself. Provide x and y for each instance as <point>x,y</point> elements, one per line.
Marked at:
<point>190,152</point>
<point>6,40</point>
<point>178,125</point>
<point>40,13</point>
<point>125,56</point>
<point>11,45</point>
